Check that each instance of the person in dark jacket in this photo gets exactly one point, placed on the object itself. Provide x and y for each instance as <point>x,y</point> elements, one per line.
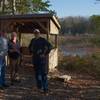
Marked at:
<point>40,48</point>
<point>14,54</point>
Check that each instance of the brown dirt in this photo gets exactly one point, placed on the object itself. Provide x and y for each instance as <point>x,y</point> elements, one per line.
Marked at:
<point>78,88</point>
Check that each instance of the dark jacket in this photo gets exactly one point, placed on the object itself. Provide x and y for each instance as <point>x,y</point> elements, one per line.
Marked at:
<point>39,47</point>
<point>13,49</point>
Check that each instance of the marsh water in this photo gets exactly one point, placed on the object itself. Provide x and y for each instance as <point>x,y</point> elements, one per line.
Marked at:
<point>77,51</point>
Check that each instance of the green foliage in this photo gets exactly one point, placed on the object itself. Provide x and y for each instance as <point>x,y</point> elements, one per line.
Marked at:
<point>95,23</point>
<point>40,5</point>
<point>24,6</point>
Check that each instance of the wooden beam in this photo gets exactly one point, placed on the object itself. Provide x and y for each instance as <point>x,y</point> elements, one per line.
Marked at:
<point>23,20</point>
<point>43,27</point>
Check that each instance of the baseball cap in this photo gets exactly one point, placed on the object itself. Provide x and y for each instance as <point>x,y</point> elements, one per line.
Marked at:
<point>36,31</point>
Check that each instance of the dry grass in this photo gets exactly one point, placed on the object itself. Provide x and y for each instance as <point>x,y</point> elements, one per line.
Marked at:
<point>85,65</point>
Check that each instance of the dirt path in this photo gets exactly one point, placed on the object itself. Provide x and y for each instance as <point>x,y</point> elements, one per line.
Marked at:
<point>78,88</point>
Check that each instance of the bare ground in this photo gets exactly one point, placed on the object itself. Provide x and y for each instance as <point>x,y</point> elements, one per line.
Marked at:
<point>80,87</point>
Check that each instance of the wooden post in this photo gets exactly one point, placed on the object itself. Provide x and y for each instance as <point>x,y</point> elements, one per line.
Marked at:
<point>56,41</point>
<point>20,38</point>
<point>48,37</point>
<point>19,35</point>
<point>48,29</point>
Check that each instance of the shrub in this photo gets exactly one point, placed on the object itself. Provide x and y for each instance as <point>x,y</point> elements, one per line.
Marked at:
<point>88,65</point>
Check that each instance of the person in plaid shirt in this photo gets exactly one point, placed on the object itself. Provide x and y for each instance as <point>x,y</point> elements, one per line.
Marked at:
<point>3,53</point>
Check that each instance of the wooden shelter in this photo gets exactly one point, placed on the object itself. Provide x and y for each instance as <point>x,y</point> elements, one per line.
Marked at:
<point>25,24</point>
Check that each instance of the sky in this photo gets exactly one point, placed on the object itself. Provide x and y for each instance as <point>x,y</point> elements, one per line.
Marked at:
<point>84,8</point>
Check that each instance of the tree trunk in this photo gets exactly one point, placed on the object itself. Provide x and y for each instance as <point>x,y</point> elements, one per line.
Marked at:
<point>3,6</point>
<point>12,7</point>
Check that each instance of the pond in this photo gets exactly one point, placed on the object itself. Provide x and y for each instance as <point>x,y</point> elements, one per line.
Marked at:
<point>76,51</point>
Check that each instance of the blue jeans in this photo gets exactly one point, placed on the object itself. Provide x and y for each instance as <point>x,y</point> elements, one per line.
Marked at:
<point>2,71</point>
<point>41,77</point>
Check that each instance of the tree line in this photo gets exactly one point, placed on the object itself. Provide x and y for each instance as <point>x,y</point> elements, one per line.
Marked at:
<point>80,25</point>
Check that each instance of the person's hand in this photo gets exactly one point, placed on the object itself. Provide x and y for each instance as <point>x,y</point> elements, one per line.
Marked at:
<point>42,55</point>
<point>13,50</point>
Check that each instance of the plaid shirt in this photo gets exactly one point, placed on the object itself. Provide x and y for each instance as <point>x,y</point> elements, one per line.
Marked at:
<point>3,46</point>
